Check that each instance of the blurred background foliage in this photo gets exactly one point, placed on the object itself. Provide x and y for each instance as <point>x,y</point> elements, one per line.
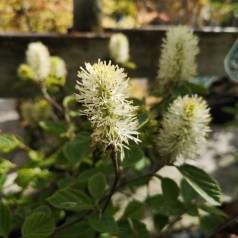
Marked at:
<point>56,15</point>
<point>35,16</point>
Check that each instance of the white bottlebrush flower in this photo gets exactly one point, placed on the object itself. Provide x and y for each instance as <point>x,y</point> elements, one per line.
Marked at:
<point>58,67</point>
<point>177,61</point>
<point>119,48</point>
<point>184,128</point>
<point>38,58</point>
<point>103,90</point>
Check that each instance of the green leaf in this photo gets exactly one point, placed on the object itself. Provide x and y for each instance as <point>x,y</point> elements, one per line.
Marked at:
<point>25,176</point>
<point>160,221</point>
<point>65,182</point>
<point>70,199</point>
<point>52,82</point>
<point>188,193</point>
<point>142,164</point>
<point>143,118</point>
<point>179,90</point>
<point>202,183</point>
<point>210,222</point>
<point>3,178</point>
<point>97,186</point>
<point>82,230</point>
<point>212,210</point>
<point>5,220</point>
<point>130,65</point>
<point>105,224</point>
<point>197,88</point>
<point>69,101</point>
<point>86,175</point>
<point>170,190</point>
<point>155,202</point>
<point>38,225</point>
<point>141,231</point>
<point>33,177</point>
<point>193,210</point>
<point>134,210</point>
<point>76,150</point>
<point>53,127</point>
<point>229,110</point>
<point>175,209</point>
<point>9,142</point>
<point>43,209</point>
<point>35,156</point>
<point>134,228</point>
<point>133,155</point>
<point>5,165</point>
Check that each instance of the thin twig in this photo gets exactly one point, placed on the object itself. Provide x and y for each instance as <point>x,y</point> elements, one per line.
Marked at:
<point>50,99</point>
<point>114,186</point>
<point>116,179</point>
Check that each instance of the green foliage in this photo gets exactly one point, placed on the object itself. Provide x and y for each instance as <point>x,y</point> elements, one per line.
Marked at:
<point>5,166</point>
<point>160,221</point>
<point>170,190</point>
<point>53,127</point>
<point>97,186</point>
<point>103,224</point>
<point>76,150</point>
<point>133,228</point>
<point>132,156</point>
<point>134,210</point>
<point>9,142</point>
<point>5,220</point>
<point>82,229</point>
<point>188,193</point>
<point>71,187</point>
<point>38,225</point>
<point>71,200</point>
<point>202,183</point>
<point>209,223</point>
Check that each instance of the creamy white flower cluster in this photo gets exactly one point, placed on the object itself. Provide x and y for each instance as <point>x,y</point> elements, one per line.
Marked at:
<point>119,48</point>
<point>184,128</point>
<point>40,65</point>
<point>177,61</point>
<point>103,90</point>
<point>58,67</point>
<point>38,58</point>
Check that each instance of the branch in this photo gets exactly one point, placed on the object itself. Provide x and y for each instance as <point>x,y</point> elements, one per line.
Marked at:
<point>114,186</point>
<point>116,179</point>
<point>50,99</point>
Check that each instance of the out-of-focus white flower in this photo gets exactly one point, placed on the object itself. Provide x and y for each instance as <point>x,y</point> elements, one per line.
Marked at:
<point>58,67</point>
<point>38,58</point>
<point>177,61</point>
<point>35,111</point>
<point>103,91</point>
<point>119,48</point>
<point>184,128</point>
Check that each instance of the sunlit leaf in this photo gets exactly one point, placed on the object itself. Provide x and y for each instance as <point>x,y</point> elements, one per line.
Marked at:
<point>202,183</point>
